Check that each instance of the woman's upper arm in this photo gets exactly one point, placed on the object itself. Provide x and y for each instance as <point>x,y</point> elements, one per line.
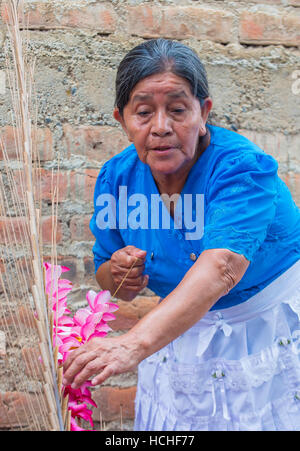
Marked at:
<point>241,204</point>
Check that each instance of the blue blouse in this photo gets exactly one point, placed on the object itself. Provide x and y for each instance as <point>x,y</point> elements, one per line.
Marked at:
<point>233,190</point>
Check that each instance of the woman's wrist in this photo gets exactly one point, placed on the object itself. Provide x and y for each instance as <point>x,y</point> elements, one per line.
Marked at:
<point>139,347</point>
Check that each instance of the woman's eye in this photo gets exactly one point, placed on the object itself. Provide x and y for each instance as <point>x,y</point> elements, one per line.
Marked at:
<point>143,113</point>
<point>178,110</point>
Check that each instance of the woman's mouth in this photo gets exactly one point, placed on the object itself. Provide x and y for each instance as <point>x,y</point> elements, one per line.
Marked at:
<point>163,149</point>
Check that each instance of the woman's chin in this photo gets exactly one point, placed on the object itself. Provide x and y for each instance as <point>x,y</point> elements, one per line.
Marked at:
<point>163,164</point>
<point>163,169</point>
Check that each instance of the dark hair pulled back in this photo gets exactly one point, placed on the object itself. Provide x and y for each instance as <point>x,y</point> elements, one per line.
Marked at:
<point>158,56</point>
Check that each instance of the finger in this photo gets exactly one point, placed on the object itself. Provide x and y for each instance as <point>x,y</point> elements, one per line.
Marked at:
<point>90,369</point>
<point>136,271</point>
<point>131,281</point>
<point>145,281</point>
<point>123,261</point>
<point>135,252</point>
<point>105,374</point>
<point>72,356</point>
<point>139,287</point>
<point>76,366</point>
<point>134,260</point>
<point>121,271</point>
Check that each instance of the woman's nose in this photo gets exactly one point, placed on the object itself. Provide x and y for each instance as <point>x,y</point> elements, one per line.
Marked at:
<point>161,124</point>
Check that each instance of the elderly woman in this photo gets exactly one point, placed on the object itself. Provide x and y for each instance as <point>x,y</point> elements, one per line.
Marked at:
<point>220,351</point>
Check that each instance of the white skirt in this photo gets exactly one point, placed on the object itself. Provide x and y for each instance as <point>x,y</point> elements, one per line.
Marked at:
<point>236,369</point>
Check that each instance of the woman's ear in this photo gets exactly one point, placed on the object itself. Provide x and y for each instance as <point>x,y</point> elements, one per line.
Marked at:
<point>118,117</point>
<point>206,108</point>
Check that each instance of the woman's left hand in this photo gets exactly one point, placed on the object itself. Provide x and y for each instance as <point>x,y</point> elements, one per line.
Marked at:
<point>101,358</point>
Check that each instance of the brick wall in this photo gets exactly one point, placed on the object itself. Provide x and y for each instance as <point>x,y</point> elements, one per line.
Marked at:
<point>251,51</point>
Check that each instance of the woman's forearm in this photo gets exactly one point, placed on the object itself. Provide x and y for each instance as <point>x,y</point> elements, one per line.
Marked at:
<point>104,278</point>
<point>214,274</point>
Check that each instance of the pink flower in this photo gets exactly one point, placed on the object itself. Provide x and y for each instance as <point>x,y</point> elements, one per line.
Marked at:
<point>74,425</point>
<point>69,343</point>
<point>82,393</point>
<point>70,333</point>
<point>94,327</point>
<point>99,302</point>
<point>80,411</point>
<point>80,317</point>
<point>55,288</point>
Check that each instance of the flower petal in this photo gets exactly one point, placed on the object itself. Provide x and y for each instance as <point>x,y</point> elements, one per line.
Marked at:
<point>81,316</point>
<point>90,296</point>
<point>108,317</point>
<point>90,325</point>
<point>103,297</point>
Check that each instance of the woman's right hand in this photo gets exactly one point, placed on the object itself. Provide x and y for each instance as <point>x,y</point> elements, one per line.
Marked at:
<point>120,263</point>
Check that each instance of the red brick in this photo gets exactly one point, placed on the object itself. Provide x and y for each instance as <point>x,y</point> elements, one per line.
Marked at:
<point>263,2</point>
<point>48,185</point>
<point>273,2</point>
<point>100,17</point>
<point>12,230</point>
<point>38,15</point>
<point>42,143</point>
<point>48,226</point>
<point>262,28</point>
<point>19,409</point>
<point>114,403</point>
<point>21,266</point>
<point>33,365</point>
<point>79,227</point>
<point>52,184</point>
<point>94,142</point>
<point>21,316</point>
<point>17,228</point>
<point>180,22</point>
<point>72,185</point>
<point>82,185</point>
<point>129,313</point>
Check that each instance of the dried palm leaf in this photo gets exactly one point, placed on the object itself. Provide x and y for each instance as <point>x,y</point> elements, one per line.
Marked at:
<point>29,377</point>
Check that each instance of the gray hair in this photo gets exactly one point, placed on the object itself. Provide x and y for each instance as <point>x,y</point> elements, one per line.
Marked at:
<point>157,56</point>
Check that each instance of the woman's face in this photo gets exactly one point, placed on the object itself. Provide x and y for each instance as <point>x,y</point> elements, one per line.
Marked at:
<point>164,121</point>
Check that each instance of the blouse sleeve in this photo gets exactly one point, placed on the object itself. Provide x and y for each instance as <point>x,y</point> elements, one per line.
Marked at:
<point>241,203</point>
<point>108,239</point>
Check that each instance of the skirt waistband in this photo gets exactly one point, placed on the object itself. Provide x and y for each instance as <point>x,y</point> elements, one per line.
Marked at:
<point>283,289</point>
